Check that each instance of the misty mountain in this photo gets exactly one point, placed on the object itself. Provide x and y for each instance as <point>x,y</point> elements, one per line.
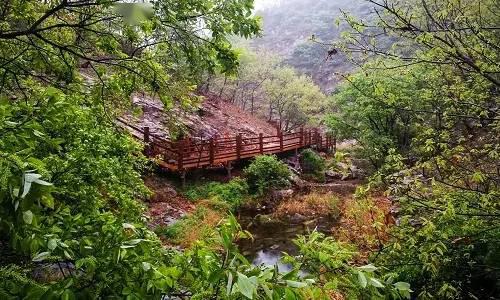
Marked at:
<point>288,27</point>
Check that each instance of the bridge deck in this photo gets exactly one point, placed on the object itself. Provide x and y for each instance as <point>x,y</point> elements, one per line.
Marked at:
<point>191,154</point>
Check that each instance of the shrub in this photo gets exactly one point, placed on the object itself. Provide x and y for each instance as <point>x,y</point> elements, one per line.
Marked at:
<point>313,164</point>
<point>266,171</point>
<point>232,192</point>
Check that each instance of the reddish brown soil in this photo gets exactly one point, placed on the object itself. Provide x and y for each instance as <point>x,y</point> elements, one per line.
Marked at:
<point>213,118</point>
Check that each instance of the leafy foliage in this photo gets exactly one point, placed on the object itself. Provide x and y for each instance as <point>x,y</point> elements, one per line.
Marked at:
<point>426,113</point>
<point>266,171</point>
<point>320,254</point>
<point>233,192</point>
<point>312,163</point>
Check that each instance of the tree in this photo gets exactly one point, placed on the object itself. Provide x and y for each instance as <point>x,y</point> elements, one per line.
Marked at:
<point>292,99</point>
<point>275,92</point>
<point>428,110</point>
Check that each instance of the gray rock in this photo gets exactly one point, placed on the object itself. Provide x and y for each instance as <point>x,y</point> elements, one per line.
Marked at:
<point>280,195</point>
<point>333,175</point>
<point>356,173</point>
<point>296,181</point>
<point>297,218</point>
<point>53,272</point>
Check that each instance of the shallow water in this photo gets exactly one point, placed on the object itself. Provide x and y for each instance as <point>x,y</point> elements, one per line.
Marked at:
<point>271,239</point>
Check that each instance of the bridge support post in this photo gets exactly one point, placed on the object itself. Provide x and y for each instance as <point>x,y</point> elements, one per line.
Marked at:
<point>238,146</point>
<point>261,143</point>
<point>211,151</point>
<point>229,167</point>
<point>183,178</point>
<point>280,134</point>
<point>301,138</point>
<point>180,154</point>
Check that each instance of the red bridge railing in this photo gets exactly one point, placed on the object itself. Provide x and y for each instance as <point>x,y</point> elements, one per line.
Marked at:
<point>189,153</point>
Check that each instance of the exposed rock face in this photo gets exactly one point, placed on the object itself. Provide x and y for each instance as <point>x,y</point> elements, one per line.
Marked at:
<point>297,218</point>
<point>345,171</point>
<point>298,182</point>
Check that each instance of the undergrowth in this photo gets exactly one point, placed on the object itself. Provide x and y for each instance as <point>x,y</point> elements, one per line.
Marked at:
<point>310,205</point>
<point>233,192</point>
<point>199,225</point>
<point>313,165</point>
<point>266,172</point>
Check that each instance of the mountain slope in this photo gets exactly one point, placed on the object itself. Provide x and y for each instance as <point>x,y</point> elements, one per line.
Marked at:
<point>289,25</point>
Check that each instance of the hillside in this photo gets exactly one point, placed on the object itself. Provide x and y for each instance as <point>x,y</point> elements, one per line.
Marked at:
<point>289,25</point>
<point>214,118</point>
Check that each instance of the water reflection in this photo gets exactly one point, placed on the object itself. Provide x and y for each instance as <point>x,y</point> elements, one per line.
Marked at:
<point>271,239</point>
<point>271,258</point>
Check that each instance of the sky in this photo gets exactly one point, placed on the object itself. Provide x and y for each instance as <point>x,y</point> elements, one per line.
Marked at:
<point>260,4</point>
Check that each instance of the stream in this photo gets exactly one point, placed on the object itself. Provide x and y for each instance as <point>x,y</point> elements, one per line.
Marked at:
<point>272,237</point>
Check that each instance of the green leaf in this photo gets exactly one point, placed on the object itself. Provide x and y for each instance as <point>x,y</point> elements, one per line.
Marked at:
<point>52,244</point>
<point>128,226</point>
<point>368,268</point>
<point>48,201</point>
<point>246,285</point>
<point>146,266</point>
<point>42,182</point>
<point>323,257</point>
<point>296,284</point>
<point>41,256</point>
<point>68,295</point>
<point>28,217</point>
<point>376,283</point>
<point>229,283</point>
<point>402,286</point>
<point>362,279</point>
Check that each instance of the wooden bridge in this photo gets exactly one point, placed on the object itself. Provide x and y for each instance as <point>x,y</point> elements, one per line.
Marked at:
<point>189,153</point>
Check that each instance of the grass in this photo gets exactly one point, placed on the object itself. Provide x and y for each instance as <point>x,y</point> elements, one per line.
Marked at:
<point>234,192</point>
<point>310,205</point>
<point>199,225</point>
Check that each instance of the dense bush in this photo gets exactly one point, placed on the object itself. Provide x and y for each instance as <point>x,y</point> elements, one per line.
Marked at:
<point>233,192</point>
<point>266,171</point>
<point>313,164</point>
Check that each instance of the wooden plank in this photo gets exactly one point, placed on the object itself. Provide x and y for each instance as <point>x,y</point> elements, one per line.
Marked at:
<point>261,143</point>
<point>147,147</point>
